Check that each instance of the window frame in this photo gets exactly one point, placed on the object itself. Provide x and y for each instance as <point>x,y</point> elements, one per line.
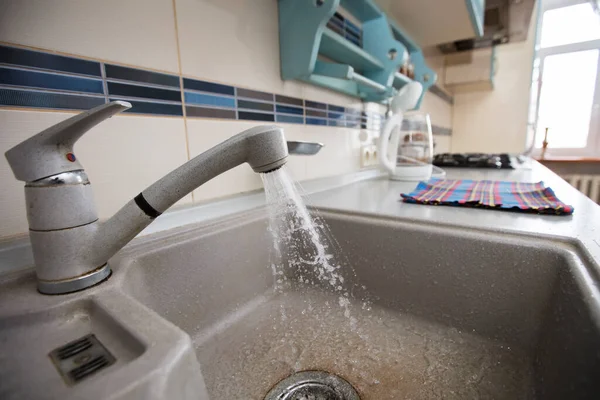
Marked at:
<point>593,143</point>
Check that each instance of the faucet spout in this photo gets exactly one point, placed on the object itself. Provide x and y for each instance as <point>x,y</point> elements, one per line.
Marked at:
<point>263,147</point>
<point>70,246</point>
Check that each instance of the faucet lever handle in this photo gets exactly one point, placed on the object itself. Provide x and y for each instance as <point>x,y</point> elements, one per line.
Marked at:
<point>50,152</point>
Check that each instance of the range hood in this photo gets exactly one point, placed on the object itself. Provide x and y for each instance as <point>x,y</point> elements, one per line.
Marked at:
<point>505,21</point>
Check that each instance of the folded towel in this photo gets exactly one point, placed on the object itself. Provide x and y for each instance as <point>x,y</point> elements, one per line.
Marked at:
<point>517,196</point>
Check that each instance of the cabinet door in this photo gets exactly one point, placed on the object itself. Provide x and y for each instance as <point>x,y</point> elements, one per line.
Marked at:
<point>470,71</point>
<point>433,22</point>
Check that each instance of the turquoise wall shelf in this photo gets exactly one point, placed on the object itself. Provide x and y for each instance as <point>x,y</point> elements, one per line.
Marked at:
<point>312,51</point>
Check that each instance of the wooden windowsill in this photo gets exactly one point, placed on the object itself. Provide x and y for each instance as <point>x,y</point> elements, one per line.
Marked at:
<point>570,159</point>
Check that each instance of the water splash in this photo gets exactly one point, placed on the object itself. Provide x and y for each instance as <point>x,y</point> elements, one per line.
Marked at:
<point>304,252</point>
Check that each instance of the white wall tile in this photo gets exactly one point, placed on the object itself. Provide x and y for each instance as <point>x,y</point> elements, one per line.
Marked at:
<point>439,110</point>
<point>443,144</point>
<point>125,154</point>
<point>233,41</point>
<point>136,32</point>
<point>436,62</point>
<point>340,154</point>
<point>229,41</point>
<point>317,93</point>
<point>496,121</point>
<point>204,134</point>
<point>122,156</point>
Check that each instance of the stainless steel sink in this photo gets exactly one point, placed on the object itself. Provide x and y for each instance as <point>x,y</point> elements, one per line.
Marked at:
<point>449,313</point>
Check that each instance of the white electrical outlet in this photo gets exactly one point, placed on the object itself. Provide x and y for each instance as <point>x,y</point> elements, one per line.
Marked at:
<point>368,156</point>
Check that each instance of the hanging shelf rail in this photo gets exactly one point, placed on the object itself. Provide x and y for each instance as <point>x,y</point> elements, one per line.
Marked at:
<point>364,66</point>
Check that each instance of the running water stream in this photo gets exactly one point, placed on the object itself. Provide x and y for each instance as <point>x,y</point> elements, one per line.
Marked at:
<point>304,252</point>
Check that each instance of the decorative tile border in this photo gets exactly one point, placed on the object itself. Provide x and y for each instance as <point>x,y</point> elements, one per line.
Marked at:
<point>440,131</point>
<point>436,130</point>
<point>43,80</point>
<point>35,79</point>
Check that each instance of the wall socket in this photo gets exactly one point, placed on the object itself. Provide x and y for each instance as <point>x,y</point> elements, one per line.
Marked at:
<point>368,156</point>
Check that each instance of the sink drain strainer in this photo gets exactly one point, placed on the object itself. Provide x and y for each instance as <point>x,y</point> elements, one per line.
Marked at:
<point>313,385</point>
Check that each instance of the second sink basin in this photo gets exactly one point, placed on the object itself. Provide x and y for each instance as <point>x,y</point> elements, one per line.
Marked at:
<point>440,312</point>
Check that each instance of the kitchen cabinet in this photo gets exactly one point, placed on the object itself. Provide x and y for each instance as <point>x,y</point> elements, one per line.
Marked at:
<point>433,22</point>
<point>350,46</point>
<point>471,71</point>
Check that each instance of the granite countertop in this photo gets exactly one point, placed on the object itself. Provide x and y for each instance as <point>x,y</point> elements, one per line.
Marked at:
<point>381,196</point>
<point>371,192</point>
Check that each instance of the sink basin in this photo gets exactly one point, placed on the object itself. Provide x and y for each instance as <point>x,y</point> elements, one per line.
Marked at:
<point>440,312</point>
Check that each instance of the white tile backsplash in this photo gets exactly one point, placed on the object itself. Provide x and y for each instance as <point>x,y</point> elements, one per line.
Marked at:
<point>443,144</point>
<point>135,32</point>
<point>125,154</point>
<point>122,156</point>
<point>439,110</point>
<point>230,41</point>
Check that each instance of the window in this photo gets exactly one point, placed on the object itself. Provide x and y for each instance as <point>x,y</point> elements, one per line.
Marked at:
<point>565,91</point>
<point>568,25</point>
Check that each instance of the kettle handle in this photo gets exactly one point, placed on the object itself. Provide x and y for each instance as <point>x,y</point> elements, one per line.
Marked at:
<point>393,122</point>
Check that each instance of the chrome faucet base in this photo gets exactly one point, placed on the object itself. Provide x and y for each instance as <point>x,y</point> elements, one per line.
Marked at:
<point>75,284</point>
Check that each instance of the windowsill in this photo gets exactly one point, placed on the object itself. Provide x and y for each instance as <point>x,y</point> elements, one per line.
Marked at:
<point>569,159</point>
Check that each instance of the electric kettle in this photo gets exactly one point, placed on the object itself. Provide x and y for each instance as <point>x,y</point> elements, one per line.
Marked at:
<point>406,142</point>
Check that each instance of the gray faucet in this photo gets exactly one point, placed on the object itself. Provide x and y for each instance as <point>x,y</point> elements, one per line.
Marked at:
<point>70,246</point>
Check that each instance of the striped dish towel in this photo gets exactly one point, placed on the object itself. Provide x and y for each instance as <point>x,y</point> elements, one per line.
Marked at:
<point>517,196</point>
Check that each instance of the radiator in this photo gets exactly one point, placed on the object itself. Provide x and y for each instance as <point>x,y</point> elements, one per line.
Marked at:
<point>586,184</point>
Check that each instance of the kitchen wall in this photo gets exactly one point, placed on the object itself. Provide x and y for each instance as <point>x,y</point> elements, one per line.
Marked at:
<point>439,103</point>
<point>496,121</point>
<point>223,53</point>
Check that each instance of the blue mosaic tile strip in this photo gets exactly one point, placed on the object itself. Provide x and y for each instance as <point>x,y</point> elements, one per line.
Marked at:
<point>144,107</point>
<point>331,107</point>
<point>126,91</point>
<point>254,105</point>
<point>316,113</point>
<point>203,86</point>
<point>334,115</point>
<point>140,75</point>
<point>253,116</point>
<point>289,100</point>
<point>209,100</point>
<point>255,94</point>
<point>43,80</point>
<point>200,112</point>
<point>52,62</point>
<point>289,119</point>
<point>441,131</point>
<point>352,124</point>
<point>315,105</point>
<point>36,99</point>
<point>316,121</point>
<point>289,110</point>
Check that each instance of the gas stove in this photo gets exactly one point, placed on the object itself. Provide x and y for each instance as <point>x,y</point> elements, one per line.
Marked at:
<point>474,160</point>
